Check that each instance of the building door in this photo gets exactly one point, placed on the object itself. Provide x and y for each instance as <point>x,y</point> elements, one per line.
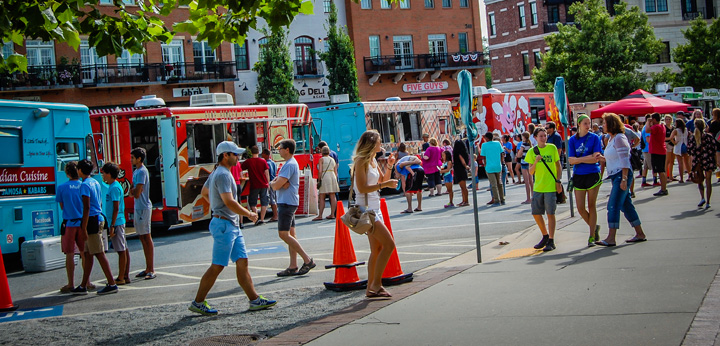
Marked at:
<point>94,68</point>
<point>304,59</point>
<point>173,58</point>
<point>403,52</point>
<point>438,49</point>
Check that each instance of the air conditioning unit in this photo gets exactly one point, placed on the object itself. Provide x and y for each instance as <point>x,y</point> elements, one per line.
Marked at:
<point>342,98</point>
<point>685,89</point>
<point>212,99</point>
<point>479,90</point>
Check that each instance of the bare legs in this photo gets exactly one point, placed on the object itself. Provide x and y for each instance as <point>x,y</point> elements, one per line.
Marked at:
<point>464,191</point>
<point>589,214</point>
<point>449,188</point>
<point>528,184</point>
<point>550,230</point>
<point>382,245</point>
<point>669,163</point>
<point>149,251</point>
<point>294,247</point>
<point>104,264</point>
<point>510,170</point>
<point>243,278</point>
<point>708,187</point>
<point>321,205</point>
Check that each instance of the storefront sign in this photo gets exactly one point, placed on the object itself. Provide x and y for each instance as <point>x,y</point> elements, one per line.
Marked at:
<point>27,190</point>
<point>711,94</point>
<point>313,94</point>
<point>187,92</point>
<point>27,175</point>
<point>425,88</point>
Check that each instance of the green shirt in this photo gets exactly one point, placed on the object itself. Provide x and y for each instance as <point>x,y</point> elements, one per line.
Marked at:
<point>544,182</point>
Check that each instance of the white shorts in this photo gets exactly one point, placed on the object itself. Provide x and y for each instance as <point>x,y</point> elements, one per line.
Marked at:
<point>142,221</point>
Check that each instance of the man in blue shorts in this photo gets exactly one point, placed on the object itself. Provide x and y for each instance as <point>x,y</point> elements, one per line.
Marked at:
<point>228,243</point>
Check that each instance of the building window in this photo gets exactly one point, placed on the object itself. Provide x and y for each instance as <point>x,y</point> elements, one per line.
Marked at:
<point>304,58</point>
<point>130,59</point>
<point>521,12</point>
<point>172,52</point>
<point>526,65</point>
<point>463,42</point>
<point>533,13</point>
<point>664,56</point>
<point>553,14</point>
<point>404,4</point>
<point>491,23</point>
<point>110,2</point>
<point>438,48</point>
<point>429,3</point>
<point>610,4</point>
<point>447,3</point>
<point>374,46</point>
<point>538,59</point>
<point>653,6</point>
<point>366,4</point>
<point>326,5</point>
<point>464,3</point>
<point>203,56</point>
<point>385,4</point>
<point>93,67</point>
<point>11,137</point>
<point>241,57</point>
<point>402,47</point>
<point>7,49</point>
<point>41,52</point>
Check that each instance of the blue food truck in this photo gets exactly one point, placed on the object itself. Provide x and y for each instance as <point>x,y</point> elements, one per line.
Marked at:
<point>37,140</point>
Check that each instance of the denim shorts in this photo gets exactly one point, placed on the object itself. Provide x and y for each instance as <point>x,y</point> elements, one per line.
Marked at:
<point>228,242</point>
<point>544,203</point>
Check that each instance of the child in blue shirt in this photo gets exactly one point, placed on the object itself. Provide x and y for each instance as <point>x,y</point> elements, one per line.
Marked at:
<point>114,209</point>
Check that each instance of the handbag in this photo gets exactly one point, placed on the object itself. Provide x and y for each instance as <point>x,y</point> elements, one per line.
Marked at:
<point>360,222</point>
<point>561,198</point>
<point>319,182</point>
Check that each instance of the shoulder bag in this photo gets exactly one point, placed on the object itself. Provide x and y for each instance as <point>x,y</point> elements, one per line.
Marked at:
<point>319,181</point>
<point>356,220</point>
<point>559,190</point>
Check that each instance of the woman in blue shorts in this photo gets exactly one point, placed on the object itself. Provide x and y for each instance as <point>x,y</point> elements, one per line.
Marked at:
<point>585,152</point>
<point>447,176</point>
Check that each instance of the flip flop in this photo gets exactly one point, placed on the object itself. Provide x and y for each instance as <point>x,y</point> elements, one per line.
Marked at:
<point>636,240</point>
<point>604,243</point>
<point>418,209</point>
<point>317,219</point>
<point>406,212</point>
<point>463,204</point>
<point>150,276</point>
<point>330,218</point>
<point>141,274</point>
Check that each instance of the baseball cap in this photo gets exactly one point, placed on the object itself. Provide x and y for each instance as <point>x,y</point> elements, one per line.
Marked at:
<point>228,147</point>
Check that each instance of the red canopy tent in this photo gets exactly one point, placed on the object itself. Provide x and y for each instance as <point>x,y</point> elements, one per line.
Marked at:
<point>639,103</point>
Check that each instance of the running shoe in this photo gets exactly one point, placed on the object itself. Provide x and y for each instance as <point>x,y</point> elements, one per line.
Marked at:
<point>449,205</point>
<point>645,185</point>
<point>261,303</point>
<point>702,201</point>
<point>656,184</point>
<point>661,193</point>
<point>108,289</point>
<point>79,291</point>
<point>591,241</point>
<point>550,246</point>
<point>202,308</point>
<point>542,243</point>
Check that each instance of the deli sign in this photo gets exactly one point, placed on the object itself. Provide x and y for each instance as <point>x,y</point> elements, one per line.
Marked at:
<point>425,88</point>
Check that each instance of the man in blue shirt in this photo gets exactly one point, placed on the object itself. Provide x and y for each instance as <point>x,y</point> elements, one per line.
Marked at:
<point>271,193</point>
<point>333,154</point>
<point>92,225</point>
<point>68,196</point>
<point>645,145</point>
<point>287,184</point>
<point>491,154</point>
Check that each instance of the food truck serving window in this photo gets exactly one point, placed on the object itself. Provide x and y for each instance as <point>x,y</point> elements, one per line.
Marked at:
<point>66,152</point>
<point>11,138</point>
<point>202,140</point>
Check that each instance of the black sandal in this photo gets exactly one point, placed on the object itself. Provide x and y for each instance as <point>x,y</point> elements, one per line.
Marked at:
<point>288,272</point>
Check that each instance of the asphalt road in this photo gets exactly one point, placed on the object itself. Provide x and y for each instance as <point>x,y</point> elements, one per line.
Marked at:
<point>155,311</point>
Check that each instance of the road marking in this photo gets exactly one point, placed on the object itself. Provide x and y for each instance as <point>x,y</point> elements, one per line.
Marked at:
<point>182,276</point>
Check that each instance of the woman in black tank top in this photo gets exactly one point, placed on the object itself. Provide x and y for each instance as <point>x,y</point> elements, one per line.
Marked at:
<point>670,156</point>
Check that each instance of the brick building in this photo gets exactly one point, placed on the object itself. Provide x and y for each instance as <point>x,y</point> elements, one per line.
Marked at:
<point>415,48</point>
<point>517,28</point>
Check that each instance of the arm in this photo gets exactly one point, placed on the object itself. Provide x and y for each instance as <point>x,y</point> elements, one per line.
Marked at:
<point>86,214</point>
<point>236,208</point>
<point>137,191</point>
<point>205,193</point>
<point>279,183</point>
<point>362,185</point>
<point>385,173</point>
<point>673,136</point>
<point>267,175</point>
<point>558,169</point>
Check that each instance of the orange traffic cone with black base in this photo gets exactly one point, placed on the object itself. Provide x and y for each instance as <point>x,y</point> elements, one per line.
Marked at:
<point>393,274</point>
<point>6,303</point>
<point>344,260</point>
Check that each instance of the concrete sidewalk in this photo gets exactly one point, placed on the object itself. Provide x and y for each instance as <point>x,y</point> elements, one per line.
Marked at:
<point>659,292</point>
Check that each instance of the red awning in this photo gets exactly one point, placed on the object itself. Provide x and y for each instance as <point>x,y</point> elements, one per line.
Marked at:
<point>640,103</point>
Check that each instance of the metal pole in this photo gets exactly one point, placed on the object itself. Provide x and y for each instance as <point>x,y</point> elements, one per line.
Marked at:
<point>474,194</point>
<point>567,162</point>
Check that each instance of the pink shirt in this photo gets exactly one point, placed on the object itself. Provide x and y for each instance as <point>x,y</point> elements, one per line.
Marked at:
<point>434,159</point>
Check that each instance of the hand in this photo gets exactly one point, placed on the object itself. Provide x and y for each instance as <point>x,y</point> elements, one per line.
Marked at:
<point>391,160</point>
<point>392,183</point>
<point>253,217</point>
<point>623,185</point>
<point>538,158</point>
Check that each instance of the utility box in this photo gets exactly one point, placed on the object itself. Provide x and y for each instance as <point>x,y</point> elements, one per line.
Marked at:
<point>43,254</point>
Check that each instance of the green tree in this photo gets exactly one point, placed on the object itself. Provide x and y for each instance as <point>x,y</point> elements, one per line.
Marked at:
<point>601,61</point>
<point>699,58</point>
<point>275,71</point>
<point>130,28</point>
<point>340,60</point>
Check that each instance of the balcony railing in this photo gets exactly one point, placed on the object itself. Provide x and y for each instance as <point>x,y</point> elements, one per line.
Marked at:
<point>552,27</point>
<point>307,68</point>
<point>62,76</point>
<point>427,62</point>
<point>702,12</point>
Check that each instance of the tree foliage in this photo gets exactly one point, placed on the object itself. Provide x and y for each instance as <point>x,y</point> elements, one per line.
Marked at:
<point>130,28</point>
<point>275,71</point>
<point>699,58</point>
<point>340,60</point>
<point>667,75</point>
<point>601,61</point>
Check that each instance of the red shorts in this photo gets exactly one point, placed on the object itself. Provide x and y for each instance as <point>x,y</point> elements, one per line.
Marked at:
<point>71,242</point>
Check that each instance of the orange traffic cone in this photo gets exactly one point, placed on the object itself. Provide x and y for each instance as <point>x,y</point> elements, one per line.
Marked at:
<point>6,303</point>
<point>393,274</point>
<point>344,260</point>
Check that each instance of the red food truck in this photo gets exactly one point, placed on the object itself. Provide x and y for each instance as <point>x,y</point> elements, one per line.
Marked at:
<point>180,144</point>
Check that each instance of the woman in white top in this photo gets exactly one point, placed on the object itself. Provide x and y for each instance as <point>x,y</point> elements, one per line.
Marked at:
<point>369,180</point>
<point>617,160</point>
<point>679,139</point>
<point>327,176</point>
